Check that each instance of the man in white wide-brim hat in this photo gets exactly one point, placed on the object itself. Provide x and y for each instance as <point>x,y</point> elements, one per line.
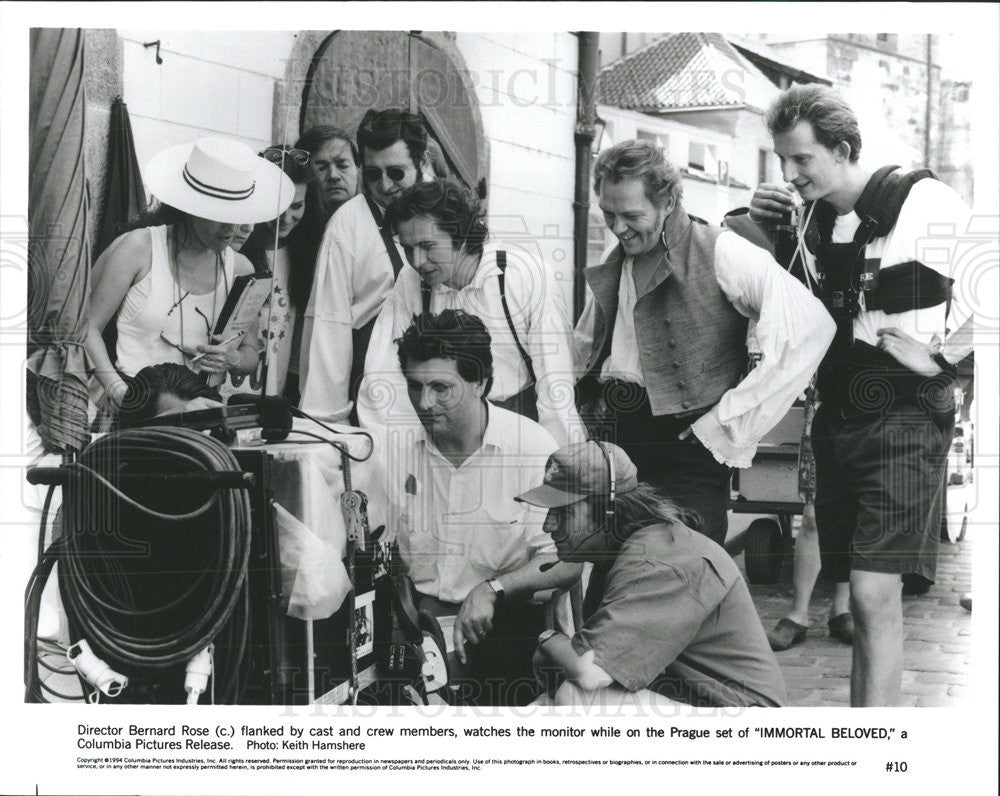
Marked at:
<point>168,277</point>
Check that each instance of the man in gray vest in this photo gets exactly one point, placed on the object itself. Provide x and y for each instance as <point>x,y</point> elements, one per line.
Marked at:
<point>662,340</point>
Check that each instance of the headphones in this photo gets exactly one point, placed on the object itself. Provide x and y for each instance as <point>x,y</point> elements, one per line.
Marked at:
<point>610,511</point>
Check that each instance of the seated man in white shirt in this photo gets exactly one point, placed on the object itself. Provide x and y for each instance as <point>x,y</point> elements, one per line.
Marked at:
<point>471,550</point>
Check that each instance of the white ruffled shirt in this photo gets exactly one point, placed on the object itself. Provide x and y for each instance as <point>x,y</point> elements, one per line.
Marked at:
<point>793,331</point>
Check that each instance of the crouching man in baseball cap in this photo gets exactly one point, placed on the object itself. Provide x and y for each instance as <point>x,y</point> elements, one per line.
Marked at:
<point>668,618</point>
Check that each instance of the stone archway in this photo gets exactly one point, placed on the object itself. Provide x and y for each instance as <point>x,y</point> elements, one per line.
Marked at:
<point>334,77</point>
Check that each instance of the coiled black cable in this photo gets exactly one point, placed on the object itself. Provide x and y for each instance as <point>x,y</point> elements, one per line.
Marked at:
<point>150,578</point>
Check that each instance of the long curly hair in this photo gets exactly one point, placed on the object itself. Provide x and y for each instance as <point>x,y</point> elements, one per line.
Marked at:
<point>644,505</point>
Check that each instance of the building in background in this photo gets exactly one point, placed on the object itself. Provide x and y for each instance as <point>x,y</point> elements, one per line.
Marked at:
<point>954,139</point>
<point>895,82</point>
<point>506,106</point>
<point>503,106</point>
<point>702,97</point>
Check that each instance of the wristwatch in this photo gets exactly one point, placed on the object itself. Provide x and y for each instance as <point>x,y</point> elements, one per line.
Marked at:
<point>497,587</point>
<point>545,635</point>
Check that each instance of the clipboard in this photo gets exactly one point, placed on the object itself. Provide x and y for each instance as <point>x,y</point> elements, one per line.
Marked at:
<point>247,295</point>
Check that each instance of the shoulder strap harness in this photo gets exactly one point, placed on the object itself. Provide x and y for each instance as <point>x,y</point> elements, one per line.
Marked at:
<point>502,265</point>
<point>878,208</point>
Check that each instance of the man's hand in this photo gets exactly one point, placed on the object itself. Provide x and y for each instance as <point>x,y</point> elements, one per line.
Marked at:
<point>908,352</point>
<point>475,618</point>
<point>688,435</point>
<point>771,203</point>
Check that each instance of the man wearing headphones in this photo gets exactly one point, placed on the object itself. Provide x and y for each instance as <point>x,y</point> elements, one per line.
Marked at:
<point>668,618</point>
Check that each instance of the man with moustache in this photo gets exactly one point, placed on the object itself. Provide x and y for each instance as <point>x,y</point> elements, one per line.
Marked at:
<point>357,263</point>
<point>472,552</point>
<point>886,416</point>
<point>662,340</point>
<point>668,618</point>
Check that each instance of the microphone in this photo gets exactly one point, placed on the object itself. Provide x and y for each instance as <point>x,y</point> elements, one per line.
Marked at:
<point>275,414</point>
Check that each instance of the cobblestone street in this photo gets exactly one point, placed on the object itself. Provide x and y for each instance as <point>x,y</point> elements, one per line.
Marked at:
<point>937,655</point>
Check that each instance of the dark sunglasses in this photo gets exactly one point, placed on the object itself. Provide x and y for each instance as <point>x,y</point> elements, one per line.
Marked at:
<point>373,174</point>
<point>275,154</point>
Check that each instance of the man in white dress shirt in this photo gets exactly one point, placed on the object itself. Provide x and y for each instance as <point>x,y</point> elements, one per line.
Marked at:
<point>455,266</point>
<point>357,264</point>
<point>470,549</point>
<point>662,340</point>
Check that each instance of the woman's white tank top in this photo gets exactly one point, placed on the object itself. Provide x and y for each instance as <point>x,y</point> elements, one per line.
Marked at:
<point>153,308</point>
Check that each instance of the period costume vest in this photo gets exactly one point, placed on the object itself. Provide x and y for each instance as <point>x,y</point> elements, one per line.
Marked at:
<point>692,341</point>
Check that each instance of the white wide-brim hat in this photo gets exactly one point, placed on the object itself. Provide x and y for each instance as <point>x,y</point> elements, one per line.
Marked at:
<point>220,179</point>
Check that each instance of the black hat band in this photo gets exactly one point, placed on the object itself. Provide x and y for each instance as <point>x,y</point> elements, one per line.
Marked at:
<point>211,190</point>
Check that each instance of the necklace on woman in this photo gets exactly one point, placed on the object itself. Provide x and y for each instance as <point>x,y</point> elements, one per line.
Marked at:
<point>175,271</point>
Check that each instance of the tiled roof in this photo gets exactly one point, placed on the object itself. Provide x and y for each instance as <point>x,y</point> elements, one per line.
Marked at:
<point>684,70</point>
<point>757,48</point>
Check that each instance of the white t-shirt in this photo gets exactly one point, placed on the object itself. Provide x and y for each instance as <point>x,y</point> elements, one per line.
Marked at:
<point>931,229</point>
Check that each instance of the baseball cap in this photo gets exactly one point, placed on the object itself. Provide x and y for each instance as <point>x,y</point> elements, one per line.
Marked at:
<point>576,472</point>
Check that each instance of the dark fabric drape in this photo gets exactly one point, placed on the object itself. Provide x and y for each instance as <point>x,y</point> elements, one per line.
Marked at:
<point>58,246</point>
<point>125,196</point>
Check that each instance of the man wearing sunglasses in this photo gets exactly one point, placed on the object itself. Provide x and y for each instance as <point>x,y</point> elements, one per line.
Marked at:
<point>357,263</point>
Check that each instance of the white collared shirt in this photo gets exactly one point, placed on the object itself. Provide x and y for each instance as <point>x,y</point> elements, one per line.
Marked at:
<point>543,329</point>
<point>623,362</point>
<point>353,278</point>
<point>459,526</point>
